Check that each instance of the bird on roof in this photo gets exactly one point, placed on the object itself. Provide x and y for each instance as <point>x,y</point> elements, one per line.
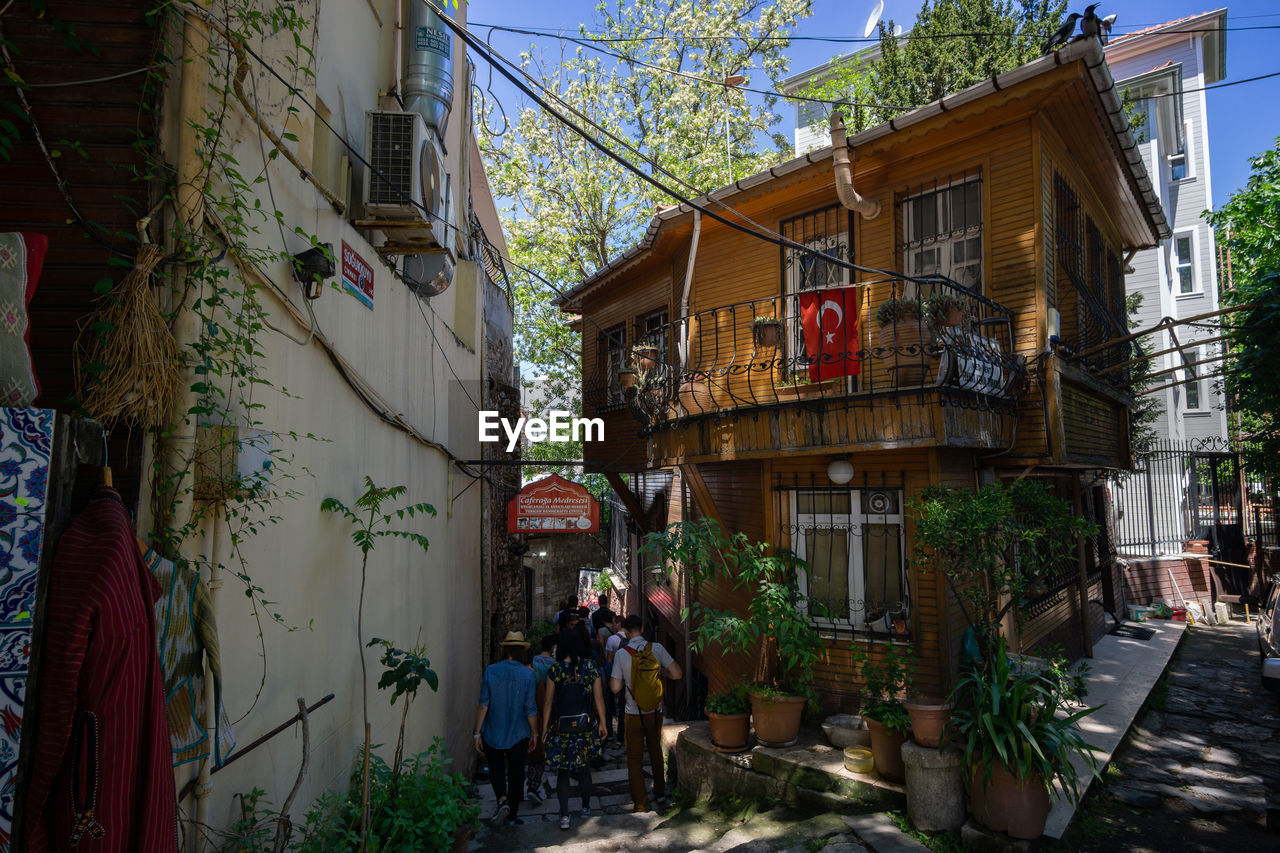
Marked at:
<point>1106,24</point>
<point>1063,35</point>
<point>1090,25</point>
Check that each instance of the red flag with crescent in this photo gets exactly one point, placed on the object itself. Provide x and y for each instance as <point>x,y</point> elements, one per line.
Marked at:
<point>830,322</point>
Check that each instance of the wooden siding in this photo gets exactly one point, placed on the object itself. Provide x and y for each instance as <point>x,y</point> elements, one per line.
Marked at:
<point>852,424</point>
<point>1092,428</point>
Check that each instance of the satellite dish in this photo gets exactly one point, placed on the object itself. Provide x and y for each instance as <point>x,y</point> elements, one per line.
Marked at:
<point>873,19</point>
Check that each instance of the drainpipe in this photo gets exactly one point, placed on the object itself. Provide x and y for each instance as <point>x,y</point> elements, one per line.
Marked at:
<point>686,336</point>
<point>180,448</point>
<point>868,207</point>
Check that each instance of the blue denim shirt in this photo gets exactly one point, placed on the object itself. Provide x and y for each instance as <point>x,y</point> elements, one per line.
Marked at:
<point>508,692</point>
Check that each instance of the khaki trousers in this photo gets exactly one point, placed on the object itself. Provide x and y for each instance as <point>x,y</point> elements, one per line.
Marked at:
<point>642,730</point>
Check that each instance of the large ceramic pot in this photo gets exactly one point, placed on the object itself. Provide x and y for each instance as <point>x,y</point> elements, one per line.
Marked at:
<point>903,351</point>
<point>928,722</point>
<point>886,746</point>
<point>1009,803</point>
<point>461,839</point>
<point>777,718</point>
<point>695,395</point>
<point>729,731</point>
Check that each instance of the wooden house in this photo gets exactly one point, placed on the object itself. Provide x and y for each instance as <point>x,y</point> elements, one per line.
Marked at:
<point>772,398</point>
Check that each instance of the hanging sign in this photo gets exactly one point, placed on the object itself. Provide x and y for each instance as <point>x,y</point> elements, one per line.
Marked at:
<point>553,505</point>
<point>357,275</point>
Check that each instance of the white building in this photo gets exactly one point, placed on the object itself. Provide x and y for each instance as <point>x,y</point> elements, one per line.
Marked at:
<point>1179,278</point>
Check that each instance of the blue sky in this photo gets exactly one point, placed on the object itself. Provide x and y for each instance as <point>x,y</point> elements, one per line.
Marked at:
<point>1244,119</point>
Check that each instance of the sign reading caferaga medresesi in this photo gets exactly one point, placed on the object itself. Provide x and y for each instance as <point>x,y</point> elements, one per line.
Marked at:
<point>357,275</point>
<point>553,505</point>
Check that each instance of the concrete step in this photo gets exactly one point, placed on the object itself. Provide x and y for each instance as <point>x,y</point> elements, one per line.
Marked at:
<point>808,775</point>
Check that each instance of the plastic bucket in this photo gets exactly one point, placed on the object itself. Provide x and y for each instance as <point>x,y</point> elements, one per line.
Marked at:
<point>1137,613</point>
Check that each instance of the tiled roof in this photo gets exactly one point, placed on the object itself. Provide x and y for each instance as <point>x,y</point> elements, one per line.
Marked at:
<point>1166,25</point>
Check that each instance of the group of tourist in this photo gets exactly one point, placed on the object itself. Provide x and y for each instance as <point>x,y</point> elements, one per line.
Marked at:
<point>595,678</point>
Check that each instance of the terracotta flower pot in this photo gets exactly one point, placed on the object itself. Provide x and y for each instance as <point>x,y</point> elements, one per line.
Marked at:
<point>646,357</point>
<point>777,718</point>
<point>902,351</point>
<point>887,749</point>
<point>627,379</point>
<point>928,722</point>
<point>695,395</point>
<point>1024,802</point>
<point>461,839</point>
<point>768,335</point>
<point>989,812</point>
<point>729,731</point>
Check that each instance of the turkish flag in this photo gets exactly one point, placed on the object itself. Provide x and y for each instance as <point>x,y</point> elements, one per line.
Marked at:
<point>830,322</point>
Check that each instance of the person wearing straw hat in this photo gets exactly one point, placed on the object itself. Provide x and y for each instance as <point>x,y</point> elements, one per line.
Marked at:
<point>505,725</point>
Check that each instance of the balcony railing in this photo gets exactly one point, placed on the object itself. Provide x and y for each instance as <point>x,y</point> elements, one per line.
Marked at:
<point>824,345</point>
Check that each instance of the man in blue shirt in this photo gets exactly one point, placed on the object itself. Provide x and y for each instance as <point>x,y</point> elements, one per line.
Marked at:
<point>505,721</point>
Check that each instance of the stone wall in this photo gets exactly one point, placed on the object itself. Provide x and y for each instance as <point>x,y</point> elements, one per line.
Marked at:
<point>555,561</point>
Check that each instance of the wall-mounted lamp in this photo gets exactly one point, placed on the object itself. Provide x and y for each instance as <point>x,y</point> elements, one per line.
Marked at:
<point>312,267</point>
<point>840,471</point>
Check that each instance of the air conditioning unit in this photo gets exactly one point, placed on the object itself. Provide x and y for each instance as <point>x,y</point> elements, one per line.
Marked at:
<point>406,184</point>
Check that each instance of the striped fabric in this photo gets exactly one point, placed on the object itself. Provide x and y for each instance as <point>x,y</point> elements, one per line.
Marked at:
<point>101,779</point>
<point>185,633</point>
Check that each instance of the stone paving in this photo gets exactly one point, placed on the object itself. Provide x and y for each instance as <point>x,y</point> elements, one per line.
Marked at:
<point>1215,746</point>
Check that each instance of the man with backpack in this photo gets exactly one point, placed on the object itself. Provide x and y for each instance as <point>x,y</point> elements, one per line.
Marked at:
<point>637,668</point>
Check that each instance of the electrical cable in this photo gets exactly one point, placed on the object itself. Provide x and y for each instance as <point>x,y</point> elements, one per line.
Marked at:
<point>119,76</point>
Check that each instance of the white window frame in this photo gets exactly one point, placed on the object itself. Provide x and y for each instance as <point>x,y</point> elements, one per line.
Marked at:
<point>1195,381</point>
<point>852,522</point>
<point>914,247</point>
<point>832,276</point>
<point>1193,263</point>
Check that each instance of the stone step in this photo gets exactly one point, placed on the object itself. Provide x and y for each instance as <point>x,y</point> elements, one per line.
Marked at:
<point>808,775</point>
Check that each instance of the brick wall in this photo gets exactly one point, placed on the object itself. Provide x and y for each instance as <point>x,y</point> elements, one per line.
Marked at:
<point>1169,579</point>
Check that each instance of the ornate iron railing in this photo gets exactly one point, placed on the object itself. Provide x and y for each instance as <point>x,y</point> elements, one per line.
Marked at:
<point>825,344</point>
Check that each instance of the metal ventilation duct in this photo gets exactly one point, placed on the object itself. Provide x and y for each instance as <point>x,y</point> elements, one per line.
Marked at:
<point>428,65</point>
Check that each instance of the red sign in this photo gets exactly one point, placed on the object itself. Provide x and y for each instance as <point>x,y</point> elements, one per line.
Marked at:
<point>553,505</point>
<point>357,275</point>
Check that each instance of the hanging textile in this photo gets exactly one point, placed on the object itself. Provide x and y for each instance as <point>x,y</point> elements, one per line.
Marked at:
<point>101,779</point>
<point>26,442</point>
<point>185,633</point>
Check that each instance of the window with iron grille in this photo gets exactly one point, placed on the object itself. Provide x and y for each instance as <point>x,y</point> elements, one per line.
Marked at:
<point>1097,262</point>
<point>826,233</point>
<point>852,544</point>
<point>1070,229</point>
<point>613,346</point>
<point>942,230</point>
<point>1115,285</point>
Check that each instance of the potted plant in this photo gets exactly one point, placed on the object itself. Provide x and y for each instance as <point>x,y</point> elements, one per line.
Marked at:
<point>1019,729</point>
<point>729,711</point>
<point>944,310</point>
<point>627,377</point>
<point>767,332</point>
<point>774,626</point>
<point>646,356</point>
<point>901,339</point>
<point>928,719</point>
<point>886,678</point>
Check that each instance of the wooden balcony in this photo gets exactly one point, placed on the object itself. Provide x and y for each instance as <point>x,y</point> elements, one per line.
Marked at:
<point>819,371</point>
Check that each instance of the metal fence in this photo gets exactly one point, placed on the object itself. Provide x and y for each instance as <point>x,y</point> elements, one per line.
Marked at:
<point>1182,490</point>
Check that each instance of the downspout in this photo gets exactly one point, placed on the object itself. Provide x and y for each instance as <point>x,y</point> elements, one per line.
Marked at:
<point>686,331</point>
<point>180,449</point>
<point>868,207</point>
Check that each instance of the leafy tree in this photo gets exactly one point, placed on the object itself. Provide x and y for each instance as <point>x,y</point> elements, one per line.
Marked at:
<point>952,45</point>
<point>1248,227</point>
<point>568,209</point>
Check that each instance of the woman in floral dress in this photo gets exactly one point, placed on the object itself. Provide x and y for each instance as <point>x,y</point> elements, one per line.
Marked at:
<point>572,745</point>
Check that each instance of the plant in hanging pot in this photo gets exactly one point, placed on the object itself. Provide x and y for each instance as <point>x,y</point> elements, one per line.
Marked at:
<point>729,711</point>
<point>902,346</point>
<point>1019,729</point>
<point>627,377</point>
<point>887,674</point>
<point>767,332</point>
<point>646,356</point>
<point>775,626</point>
<point>945,310</point>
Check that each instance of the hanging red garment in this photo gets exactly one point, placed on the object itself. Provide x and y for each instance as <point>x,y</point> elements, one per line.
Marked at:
<point>101,778</point>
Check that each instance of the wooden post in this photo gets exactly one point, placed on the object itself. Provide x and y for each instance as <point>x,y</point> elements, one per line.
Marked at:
<point>1077,507</point>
